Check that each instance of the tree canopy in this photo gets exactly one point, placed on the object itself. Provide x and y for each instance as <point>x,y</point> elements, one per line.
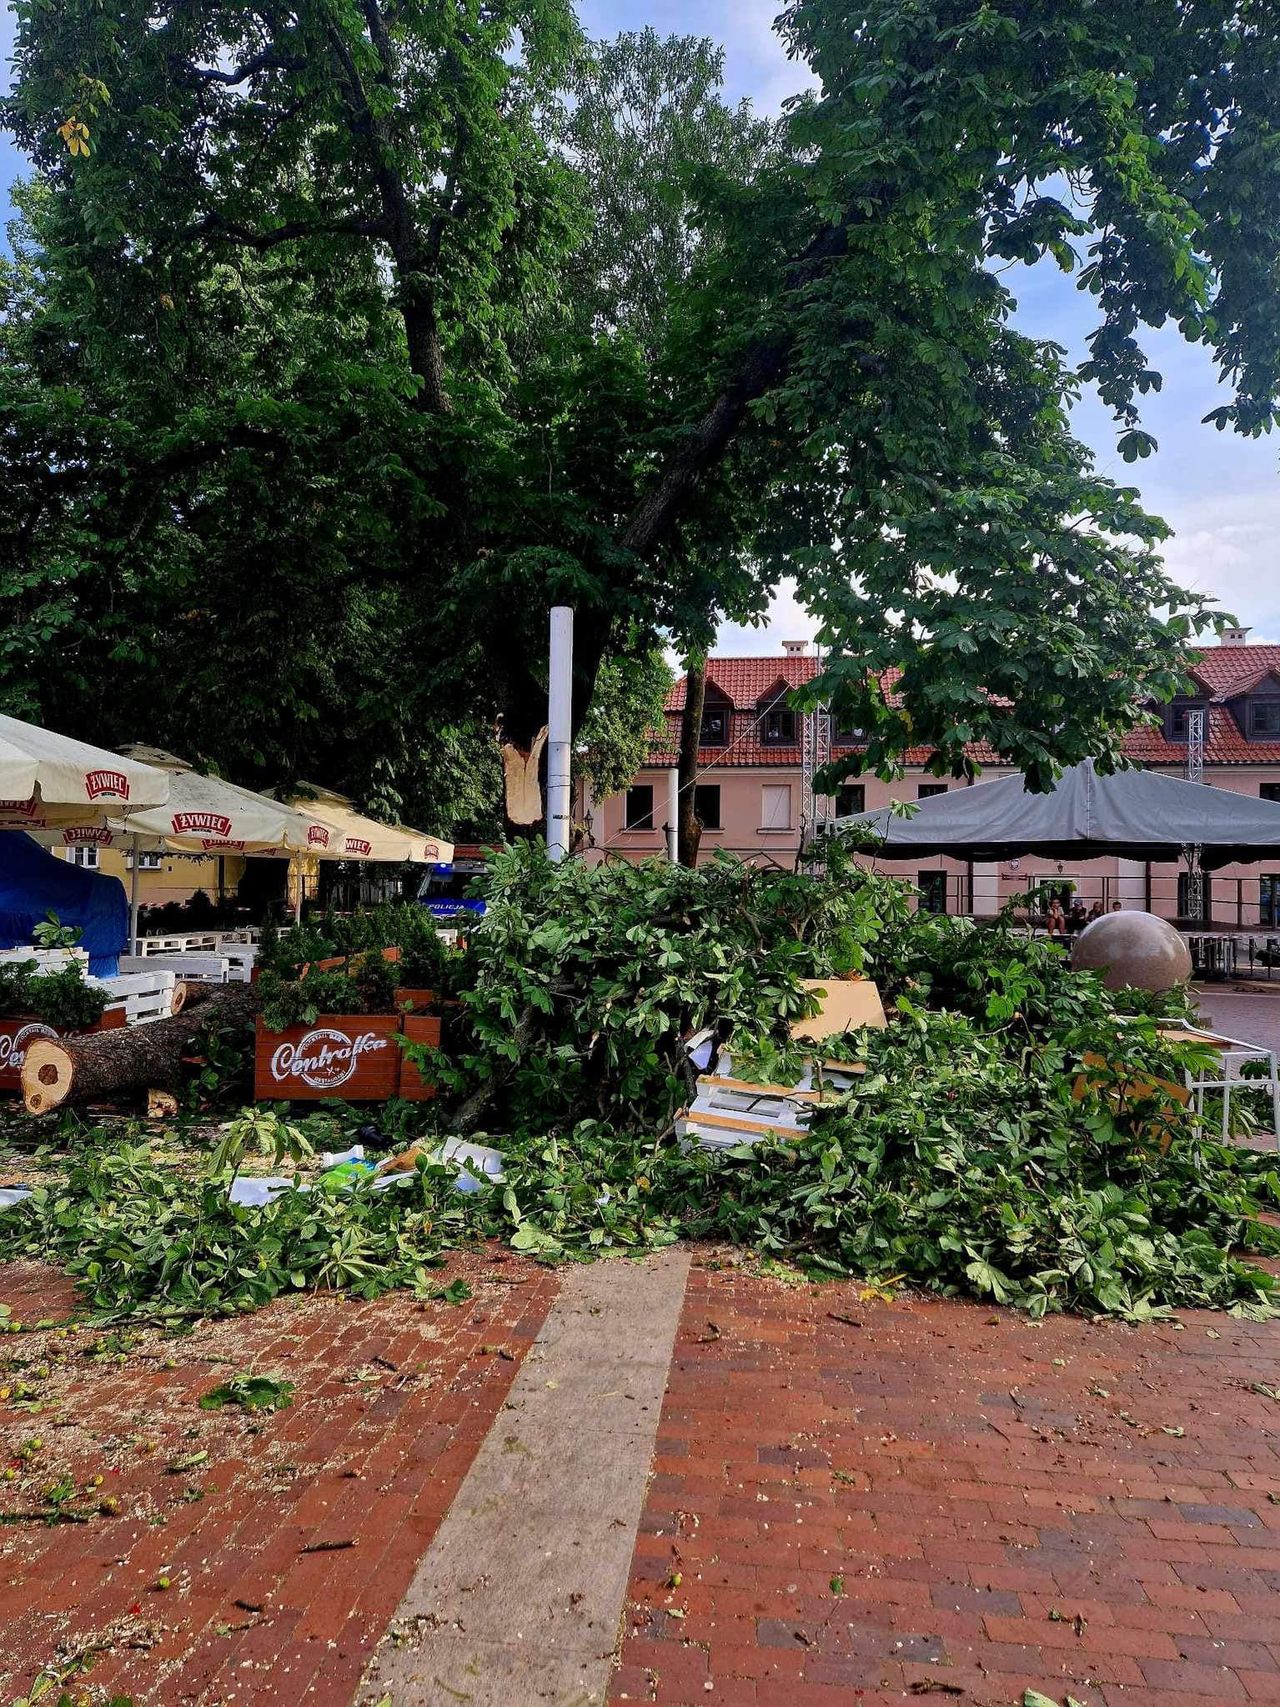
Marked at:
<point>340,342</point>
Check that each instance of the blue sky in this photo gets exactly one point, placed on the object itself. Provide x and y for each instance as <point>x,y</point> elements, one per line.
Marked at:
<point>1220,493</point>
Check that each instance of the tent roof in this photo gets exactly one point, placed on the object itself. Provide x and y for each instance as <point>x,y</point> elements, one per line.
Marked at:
<point>1134,814</point>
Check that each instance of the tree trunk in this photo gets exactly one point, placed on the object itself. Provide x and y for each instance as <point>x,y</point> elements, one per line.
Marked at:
<point>522,733</point>
<point>140,1057</point>
<point>688,823</point>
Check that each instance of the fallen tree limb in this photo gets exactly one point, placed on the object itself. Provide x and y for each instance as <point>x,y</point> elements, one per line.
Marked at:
<point>64,1070</point>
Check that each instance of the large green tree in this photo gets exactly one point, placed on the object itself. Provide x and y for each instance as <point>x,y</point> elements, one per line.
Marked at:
<point>346,339</point>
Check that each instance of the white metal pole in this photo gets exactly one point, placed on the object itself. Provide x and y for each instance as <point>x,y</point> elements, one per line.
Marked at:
<point>559,731</point>
<point>133,902</point>
<point>673,815</point>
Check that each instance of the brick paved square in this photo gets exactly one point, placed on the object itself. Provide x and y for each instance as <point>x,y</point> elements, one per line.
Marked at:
<point>954,1502</point>
<point>392,1399</point>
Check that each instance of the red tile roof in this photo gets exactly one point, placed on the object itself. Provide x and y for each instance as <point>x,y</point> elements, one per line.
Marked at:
<point>1223,672</point>
<point>1223,744</point>
<point>746,681</point>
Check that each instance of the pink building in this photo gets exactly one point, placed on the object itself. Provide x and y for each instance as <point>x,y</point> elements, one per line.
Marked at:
<point>751,796</point>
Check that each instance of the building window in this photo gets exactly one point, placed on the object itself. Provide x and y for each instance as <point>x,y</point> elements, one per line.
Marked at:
<point>775,806</point>
<point>1264,717</point>
<point>85,858</point>
<point>706,804</point>
<point>851,797</point>
<point>927,790</point>
<point>1179,712</point>
<point>639,808</point>
<point>715,726</point>
<point>847,732</point>
<point>1269,791</point>
<point>933,891</point>
<point>145,861</point>
<point>1269,900</point>
<point>778,726</point>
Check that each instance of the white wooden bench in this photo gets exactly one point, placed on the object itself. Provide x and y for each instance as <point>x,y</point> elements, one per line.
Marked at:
<point>145,996</point>
<point>197,968</point>
<point>727,1111</point>
<point>240,958</point>
<point>47,959</point>
<point>203,942</point>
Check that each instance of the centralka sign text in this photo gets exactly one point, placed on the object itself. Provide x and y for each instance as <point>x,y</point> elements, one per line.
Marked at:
<point>348,1055</point>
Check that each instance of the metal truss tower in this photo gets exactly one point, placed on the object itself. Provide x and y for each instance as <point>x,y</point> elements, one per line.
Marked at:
<point>1195,773</point>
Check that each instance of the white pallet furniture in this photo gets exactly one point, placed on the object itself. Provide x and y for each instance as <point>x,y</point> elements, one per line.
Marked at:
<point>238,948</point>
<point>728,1111</point>
<point>196,968</point>
<point>1224,1075</point>
<point>203,942</point>
<point>145,996</point>
<point>47,959</point>
<point>240,958</point>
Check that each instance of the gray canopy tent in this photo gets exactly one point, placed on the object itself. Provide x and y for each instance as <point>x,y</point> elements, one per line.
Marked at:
<point>1134,814</point>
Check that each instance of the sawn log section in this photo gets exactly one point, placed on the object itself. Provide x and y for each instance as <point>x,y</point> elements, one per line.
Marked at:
<point>139,1057</point>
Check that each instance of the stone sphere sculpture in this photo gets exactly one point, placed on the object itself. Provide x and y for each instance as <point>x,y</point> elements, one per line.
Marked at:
<point>1133,951</point>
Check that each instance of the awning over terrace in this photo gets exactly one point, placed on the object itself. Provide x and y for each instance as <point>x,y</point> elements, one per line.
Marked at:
<point>1134,814</point>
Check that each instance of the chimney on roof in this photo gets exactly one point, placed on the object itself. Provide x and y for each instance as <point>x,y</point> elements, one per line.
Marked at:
<point>1233,637</point>
<point>795,648</point>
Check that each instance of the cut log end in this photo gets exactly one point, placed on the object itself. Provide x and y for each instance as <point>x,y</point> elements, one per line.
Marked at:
<point>46,1076</point>
<point>57,1072</point>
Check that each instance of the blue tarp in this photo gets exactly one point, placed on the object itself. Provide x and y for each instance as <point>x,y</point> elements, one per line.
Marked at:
<point>35,883</point>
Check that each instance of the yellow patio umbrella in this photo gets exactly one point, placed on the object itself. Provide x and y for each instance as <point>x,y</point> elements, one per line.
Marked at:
<point>340,832</point>
<point>352,835</point>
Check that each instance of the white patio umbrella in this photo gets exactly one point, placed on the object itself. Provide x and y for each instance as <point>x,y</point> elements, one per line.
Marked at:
<point>202,815</point>
<point>48,779</point>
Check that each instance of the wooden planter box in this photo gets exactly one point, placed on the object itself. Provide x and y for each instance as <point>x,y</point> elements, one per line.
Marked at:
<point>352,1056</point>
<point>17,1031</point>
<point>417,1028</point>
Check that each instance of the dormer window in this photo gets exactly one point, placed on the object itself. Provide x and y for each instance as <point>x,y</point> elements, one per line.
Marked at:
<point>1264,719</point>
<point>778,726</point>
<point>775,720</point>
<point>715,723</point>
<point>1179,716</point>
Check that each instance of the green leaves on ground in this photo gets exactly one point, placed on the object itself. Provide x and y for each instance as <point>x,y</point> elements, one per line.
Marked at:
<point>251,1393</point>
<point>1017,1135</point>
<point>1000,1166</point>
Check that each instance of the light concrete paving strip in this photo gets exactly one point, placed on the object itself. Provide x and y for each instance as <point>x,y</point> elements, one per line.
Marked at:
<point>518,1598</point>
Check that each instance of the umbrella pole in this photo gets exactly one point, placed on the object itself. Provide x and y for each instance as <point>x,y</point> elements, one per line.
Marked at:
<point>133,901</point>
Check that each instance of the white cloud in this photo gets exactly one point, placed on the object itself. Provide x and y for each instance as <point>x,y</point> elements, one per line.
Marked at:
<point>786,620</point>
<point>756,63</point>
<point>1225,544</point>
